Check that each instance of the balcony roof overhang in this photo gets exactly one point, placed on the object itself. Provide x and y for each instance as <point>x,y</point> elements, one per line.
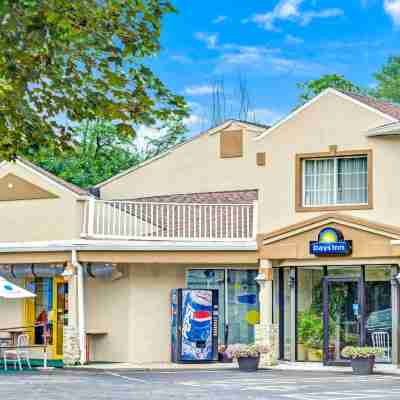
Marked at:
<point>124,245</point>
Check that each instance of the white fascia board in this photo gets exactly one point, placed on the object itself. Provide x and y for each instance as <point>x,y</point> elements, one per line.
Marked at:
<point>385,130</point>
<point>317,98</point>
<point>120,245</point>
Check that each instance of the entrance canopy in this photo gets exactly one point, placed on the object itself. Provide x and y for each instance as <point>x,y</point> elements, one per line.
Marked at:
<point>9,290</point>
<point>332,235</point>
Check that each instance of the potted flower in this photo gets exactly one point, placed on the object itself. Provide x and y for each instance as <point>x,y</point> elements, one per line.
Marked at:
<point>362,358</point>
<point>247,355</point>
<point>310,333</point>
<point>223,355</point>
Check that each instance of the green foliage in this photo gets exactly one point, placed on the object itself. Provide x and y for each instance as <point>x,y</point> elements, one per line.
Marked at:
<point>314,87</point>
<point>310,329</point>
<point>361,352</point>
<point>79,60</point>
<point>388,80</point>
<point>99,152</point>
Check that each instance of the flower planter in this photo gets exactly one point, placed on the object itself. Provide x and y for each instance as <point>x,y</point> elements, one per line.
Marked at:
<point>248,364</point>
<point>363,366</point>
<point>224,358</point>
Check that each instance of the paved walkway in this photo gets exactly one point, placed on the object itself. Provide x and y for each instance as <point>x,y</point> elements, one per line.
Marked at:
<point>197,385</point>
<point>282,366</point>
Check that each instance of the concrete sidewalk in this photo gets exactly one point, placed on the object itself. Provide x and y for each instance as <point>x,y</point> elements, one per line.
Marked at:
<point>282,366</point>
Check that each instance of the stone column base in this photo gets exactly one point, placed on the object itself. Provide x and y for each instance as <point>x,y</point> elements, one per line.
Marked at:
<point>267,335</point>
<point>71,346</point>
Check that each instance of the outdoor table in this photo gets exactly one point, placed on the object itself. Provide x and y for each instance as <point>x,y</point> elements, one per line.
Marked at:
<point>31,346</point>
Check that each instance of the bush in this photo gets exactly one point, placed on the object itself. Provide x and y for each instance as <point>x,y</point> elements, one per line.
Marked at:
<point>246,350</point>
<point>361,352</point>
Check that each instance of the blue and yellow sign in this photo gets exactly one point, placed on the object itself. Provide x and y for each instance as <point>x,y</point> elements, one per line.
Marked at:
<point>331,243</point>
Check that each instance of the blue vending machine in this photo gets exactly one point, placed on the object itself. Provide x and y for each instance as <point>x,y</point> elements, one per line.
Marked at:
<point>194,323</point>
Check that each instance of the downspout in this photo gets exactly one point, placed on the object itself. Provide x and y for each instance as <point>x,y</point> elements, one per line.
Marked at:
<point>81,307</point>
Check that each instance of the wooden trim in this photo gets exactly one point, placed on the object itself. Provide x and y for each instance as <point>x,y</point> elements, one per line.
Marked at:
<point>331,153</point>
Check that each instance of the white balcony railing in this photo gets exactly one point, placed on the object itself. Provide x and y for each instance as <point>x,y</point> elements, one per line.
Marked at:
<point>131,220</point>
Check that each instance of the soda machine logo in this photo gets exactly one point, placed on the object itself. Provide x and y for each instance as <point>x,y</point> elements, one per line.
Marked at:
<point>197,325</point>
<point>331,243</point>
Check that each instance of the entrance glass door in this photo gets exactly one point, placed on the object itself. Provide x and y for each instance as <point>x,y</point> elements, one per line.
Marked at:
<point>343,317</point>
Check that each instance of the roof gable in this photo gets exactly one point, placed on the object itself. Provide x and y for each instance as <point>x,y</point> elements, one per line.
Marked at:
<point>47,176</point>
<point>388,231</point>
<point>13,187</point>
<point>386,110</point>
<point>214,130</point>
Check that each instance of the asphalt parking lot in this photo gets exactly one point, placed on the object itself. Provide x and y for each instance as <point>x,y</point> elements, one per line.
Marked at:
<point>199,385</point>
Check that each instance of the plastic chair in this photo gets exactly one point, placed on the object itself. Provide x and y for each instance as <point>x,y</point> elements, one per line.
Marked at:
<point>381,340</point>
<point>19,353</point>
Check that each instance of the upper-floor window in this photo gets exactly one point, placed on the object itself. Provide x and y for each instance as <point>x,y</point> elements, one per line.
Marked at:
<point>335,181</point>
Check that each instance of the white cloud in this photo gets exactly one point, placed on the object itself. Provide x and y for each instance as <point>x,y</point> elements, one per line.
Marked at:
<point>392,8</point>
<point>291,39</point>
<point>266,115</point>
<point>308,16</point>
<point>193,120</point>
<point>290,10</point>
<point>145,132</point>
<point>245,55</point>
<point>199,90</point>
<point>220,19</point>
<point>210,39</point>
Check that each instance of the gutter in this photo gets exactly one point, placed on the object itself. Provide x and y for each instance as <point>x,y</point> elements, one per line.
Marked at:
<point>81,307</point>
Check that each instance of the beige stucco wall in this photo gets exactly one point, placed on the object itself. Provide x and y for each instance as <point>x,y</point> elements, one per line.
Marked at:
<point>135,312</point>
<point>333,120</point>
<point>41,219</point>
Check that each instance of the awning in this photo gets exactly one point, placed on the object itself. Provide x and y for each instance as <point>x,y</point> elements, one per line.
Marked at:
<point>9,290</point>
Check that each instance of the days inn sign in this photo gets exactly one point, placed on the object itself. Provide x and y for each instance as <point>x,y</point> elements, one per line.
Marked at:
<point>331,243</point>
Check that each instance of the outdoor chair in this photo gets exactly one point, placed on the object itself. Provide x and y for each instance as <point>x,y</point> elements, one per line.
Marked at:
<point>381,340</point>
<point>21,352</point>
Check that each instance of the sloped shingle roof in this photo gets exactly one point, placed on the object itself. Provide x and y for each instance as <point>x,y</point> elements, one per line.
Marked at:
<point>385,107</point>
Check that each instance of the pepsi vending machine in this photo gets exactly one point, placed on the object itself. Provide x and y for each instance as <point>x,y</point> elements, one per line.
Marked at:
<point>194,323</point>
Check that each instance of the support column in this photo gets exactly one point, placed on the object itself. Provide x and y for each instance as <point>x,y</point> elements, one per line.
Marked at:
<point>395,317</point>
<point>71,339</point>
<point>266,332</point>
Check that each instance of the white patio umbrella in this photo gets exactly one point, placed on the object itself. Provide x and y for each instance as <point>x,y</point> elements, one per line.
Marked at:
<point>9,290</point>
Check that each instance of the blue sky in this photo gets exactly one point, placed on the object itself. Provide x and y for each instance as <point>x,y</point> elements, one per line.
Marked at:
<point>273,45</point>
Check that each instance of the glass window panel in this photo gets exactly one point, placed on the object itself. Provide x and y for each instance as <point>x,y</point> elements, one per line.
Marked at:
<point>287,314</point>
<point>335,181</point>
<point>344,271</point>
<point>309,314</point>
<point>243,305</point>
<point>378,309</point>
<point>211,279</point>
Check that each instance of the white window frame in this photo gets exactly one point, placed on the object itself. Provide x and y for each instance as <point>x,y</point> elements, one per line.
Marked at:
<point>335,182</point>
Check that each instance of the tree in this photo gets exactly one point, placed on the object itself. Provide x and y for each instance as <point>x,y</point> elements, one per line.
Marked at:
<point>99,152</point>
<point>65,62</point>
<point>388,79</point>
<point>314,87</point>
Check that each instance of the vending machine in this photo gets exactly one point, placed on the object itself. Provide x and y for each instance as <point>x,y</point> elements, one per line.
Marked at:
<point>194,323</point>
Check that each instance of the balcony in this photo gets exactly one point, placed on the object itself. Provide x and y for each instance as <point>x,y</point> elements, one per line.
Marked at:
<point>139,220</point>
